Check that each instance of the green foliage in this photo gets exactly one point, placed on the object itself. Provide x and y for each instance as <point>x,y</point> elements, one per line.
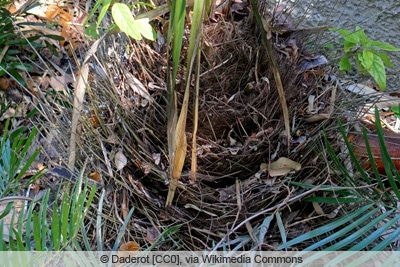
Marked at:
<point>51,227</point>
<point>15,159</point>
<point>54,227</point>
<point>13,42</point>
<point>373,222</point>
<point>124,20</point>
<point>135,28</point>
<point>396,111</point>
<point>9,61</point>
<point>366,53</point>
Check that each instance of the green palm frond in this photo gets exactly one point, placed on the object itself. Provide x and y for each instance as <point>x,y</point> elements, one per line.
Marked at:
<point>53,227</point>
<point>15,158</point>
<point>372,222</point>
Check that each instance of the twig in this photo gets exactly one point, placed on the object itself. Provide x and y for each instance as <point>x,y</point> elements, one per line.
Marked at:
<point>278,206</point>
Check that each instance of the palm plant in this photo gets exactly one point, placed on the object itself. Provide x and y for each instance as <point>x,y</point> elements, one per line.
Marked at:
<point>372,220</point>
<point>24,224</point>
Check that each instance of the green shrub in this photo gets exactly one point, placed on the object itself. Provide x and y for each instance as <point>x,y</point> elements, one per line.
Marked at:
<point>366,53</point>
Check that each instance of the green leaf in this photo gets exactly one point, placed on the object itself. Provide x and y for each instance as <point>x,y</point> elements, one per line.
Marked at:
<point>124,20</point>
<point>378,72</point>
<point>94,10</point>
<point>145,28</point>
<point>85,238</point>
<point>340,233</point>
<point>36,232</point>
<point>342,32</point>
<point>54,37</point>
<point>29,225</point>
<point>347,46</point>
<point>103,11</point>
<point>385,58</point>
<point>17,77</point>
<point>326,228</point>
<point>263,228</point>
<point>391,172</point>
<point>376,234</point>
<point>281,227</point>
<point>65,209</point>
<point>333,200</point>
<point>7,210</point>
<point>383,46</point>
<point>134,28</point>
<point>344,64</point>
<point>55,228</point>
<point>91,31</point>
<point>387,241</point>
<point>175,33</point>
<point>360,232</point>
<point>366,58</point>
<point>122,230</point>
<point>361,35</point>
<point>352,38</point>
<point>395,109</point>
<point>167,232</point>
<point>31,113</point>
<point>3,246</point>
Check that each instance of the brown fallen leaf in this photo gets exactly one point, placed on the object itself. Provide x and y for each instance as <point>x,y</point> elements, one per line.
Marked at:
<point>4,83</point>
<point>95,176</point>
<point>283,166</point>
<point>129,246</point>
<point>152,235</point>
<point>392,142</point>
<point>120,160</point>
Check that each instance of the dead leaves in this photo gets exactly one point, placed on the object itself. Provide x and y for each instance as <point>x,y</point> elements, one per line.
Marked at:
<point>120,160</point>
<point>130,246</point>
<point>392,142</point>
<point>280,167</point>
<point>55,13</point>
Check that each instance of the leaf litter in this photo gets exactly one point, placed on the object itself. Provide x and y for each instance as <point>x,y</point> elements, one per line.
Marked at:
<point>240,129</point>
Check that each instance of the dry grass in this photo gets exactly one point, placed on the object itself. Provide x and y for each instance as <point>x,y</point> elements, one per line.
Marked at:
<point>240,127</point>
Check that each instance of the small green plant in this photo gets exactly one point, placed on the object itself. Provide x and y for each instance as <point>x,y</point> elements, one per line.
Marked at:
<point>366,53</point>
<point>51,227</point>
<point>15,159</point>
<point>123,18</point>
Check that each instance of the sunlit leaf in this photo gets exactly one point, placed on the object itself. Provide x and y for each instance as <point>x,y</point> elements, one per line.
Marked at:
<point>366,58</point>
<point>378,72</point>
<point>123,17</point>
<point>145,29</point>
